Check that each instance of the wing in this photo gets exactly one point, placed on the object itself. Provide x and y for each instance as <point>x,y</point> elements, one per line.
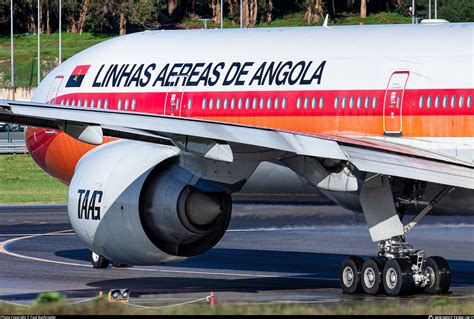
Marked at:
<point>216,140</point>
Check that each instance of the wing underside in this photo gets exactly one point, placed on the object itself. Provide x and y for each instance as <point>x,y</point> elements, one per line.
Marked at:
<point>366,156</point>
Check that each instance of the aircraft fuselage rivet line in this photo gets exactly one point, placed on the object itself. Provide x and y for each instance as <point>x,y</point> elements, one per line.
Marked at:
<point>5,251</point>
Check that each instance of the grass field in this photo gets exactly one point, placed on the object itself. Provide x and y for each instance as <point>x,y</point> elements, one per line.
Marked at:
<point>26,47</point>
<point>26,54</point>
<point>23,182</point>
<point>439,306</point>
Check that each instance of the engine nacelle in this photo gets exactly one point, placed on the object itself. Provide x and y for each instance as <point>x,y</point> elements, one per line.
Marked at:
<point>132,203</point>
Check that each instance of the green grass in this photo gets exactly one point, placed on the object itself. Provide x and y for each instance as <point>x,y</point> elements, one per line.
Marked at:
<point>440,306</point>
<point>23,182</point>
<point>26,54</point>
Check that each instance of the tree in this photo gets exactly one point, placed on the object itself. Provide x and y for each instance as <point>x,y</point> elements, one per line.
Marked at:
<point>363,8</point>
<point>216,10</point>
<point>172,5</point>
<point>266,7</point>
<point>314,11</point>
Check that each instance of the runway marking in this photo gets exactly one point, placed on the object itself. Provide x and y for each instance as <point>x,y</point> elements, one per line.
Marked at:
<point>4,244</point>
<point>33,235</point>
<point>5,251</point>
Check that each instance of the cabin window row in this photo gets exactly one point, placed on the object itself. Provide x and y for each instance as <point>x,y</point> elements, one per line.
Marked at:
<point>445,101</point>
<point>359,102</point>
<point>92,103</point>
<point>240,103</point>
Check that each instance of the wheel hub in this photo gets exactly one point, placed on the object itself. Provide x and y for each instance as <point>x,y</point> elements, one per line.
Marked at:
<point>391,278</point>
<point>369,277</point>
<point>348,276</point>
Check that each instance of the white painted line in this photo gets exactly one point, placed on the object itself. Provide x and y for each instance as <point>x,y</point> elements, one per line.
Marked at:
<point>4,250</point>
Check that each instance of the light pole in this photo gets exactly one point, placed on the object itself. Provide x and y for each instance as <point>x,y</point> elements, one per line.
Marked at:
<point>39,46</point>
<point>60,53</point>
<point>413,20</point>
<point>241,17</point>
<point>429,9</point>
<point>11,46</point>
<point>436,9</point>
<point>222,14</point>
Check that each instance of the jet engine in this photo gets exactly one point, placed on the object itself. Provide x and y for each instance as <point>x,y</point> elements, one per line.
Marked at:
<point>132,203</point>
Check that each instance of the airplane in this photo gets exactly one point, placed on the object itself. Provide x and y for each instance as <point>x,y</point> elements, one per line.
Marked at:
<point>154,131</point>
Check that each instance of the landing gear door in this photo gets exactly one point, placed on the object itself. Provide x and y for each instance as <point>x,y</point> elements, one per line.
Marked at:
<point>174,98</point>
<point>393,104</point>
<point>53,89</point>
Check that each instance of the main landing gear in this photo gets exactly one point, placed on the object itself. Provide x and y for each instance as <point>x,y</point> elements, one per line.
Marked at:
<point>99,261</point>
<point>398,269</point>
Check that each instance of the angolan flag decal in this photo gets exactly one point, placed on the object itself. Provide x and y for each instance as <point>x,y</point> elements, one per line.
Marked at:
<point>77,76</point>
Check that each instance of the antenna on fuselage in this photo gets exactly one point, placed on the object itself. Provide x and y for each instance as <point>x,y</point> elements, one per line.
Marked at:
<point>326,21</point>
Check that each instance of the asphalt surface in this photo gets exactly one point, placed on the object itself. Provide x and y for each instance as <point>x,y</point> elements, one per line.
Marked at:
<point>271,253</point>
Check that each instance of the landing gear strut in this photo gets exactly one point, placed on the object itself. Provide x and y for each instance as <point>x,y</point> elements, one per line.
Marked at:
<point>398,269</point>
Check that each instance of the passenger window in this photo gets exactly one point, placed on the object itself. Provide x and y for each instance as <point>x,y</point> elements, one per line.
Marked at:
<point>437,101</point>
<point>262,103</point>
<point>283,104</point>
<point>374,102</point>
<point>453,101</point>
<point>269,103</point>
<point>247,103</point>
<point>86,103</point>
<point>67,102</point>
<point>211,103</point>
<point>134,104</point>
<point>277,101</point>
<point>351,102</point>
<point>422,101</point>
<point>461,101</point>
<point>313,102</point>
<point>344,99</point>
<point>73,103</point>
<point>126,105</point>
<point>359,102</point>
<point>204,103</point>
<point>92,103</point>
<point>445,101</point>
<point>321,102</point>
<point>240,103</point>
<point>428,102</point>
<point>469,101</point>
<point>336,102</point>
<point>232,103</point>
<point>226,103</point>
<point>99,103</point>
<point>254,103</point>
<point>218,104</point>
<point>367,102</point>
<point>79,102</point>
<point>62,102</point>
<point>306,102</point>
<point>190,103</point>
<point>298,103</point>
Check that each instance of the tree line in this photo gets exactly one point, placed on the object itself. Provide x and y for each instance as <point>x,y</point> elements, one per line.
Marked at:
<point>114,16</point>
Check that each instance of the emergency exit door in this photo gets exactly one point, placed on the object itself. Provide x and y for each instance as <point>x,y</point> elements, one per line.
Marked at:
<point>174,97</point>
<point>393,104</point>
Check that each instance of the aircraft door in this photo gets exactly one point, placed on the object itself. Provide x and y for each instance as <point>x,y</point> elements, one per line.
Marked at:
<point>174,98</point>
<point>393,104</point>
<point>53,89</point>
